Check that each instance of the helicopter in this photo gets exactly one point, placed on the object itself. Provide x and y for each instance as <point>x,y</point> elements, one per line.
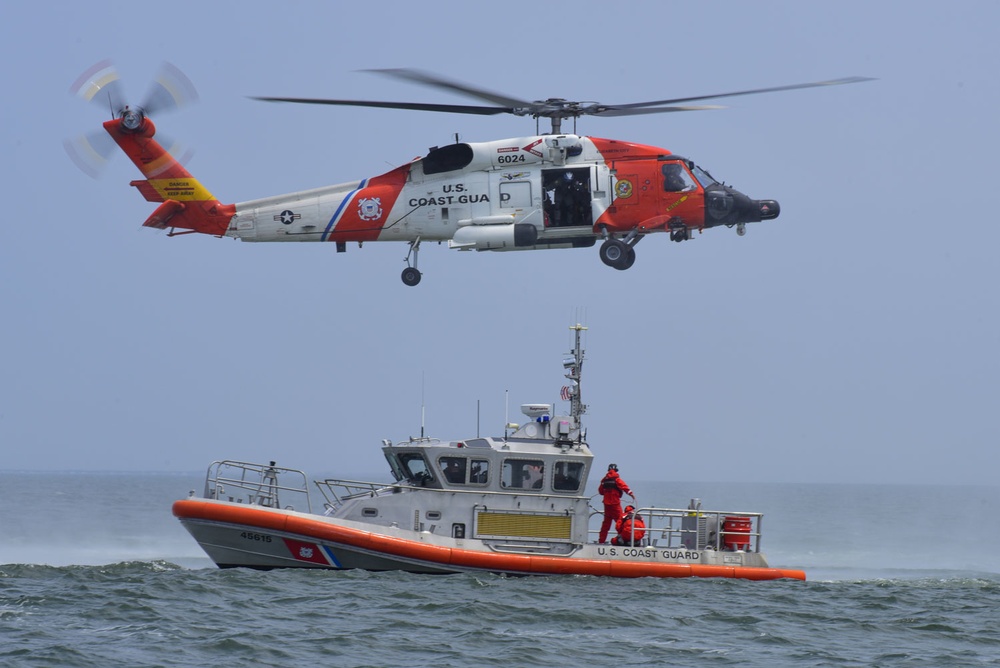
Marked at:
<point>543,191</point>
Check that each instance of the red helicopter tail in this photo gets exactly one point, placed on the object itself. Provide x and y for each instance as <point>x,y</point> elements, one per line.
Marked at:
<point>185,203</point>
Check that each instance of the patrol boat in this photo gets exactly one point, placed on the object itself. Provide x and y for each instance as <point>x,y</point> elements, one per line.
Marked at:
<point>513,504</point>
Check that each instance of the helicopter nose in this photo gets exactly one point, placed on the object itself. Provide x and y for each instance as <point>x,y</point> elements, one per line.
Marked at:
<point>755,210</point>
<point>768,208</point>
<point>728,206</point>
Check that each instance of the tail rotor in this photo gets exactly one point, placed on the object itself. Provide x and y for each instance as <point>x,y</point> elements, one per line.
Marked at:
<point>101,85</point>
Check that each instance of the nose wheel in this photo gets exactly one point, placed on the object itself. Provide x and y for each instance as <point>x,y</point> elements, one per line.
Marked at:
<point>411,275</point>
<point>617,254</point>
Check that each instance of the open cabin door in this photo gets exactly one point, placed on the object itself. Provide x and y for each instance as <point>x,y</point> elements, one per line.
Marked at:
<point>567,195</point>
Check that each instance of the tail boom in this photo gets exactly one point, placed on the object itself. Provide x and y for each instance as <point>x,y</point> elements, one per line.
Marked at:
<point>184,202</point>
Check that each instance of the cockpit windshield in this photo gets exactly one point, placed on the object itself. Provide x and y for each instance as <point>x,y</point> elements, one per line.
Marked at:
<point>704,178</point>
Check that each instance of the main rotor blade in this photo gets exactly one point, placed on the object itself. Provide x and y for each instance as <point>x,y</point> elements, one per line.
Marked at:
<point>414,106</point>
<point>815,84</point>
<point>435,81</point>
<point>614,111</point>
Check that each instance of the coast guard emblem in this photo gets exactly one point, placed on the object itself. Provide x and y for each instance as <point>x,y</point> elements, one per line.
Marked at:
<point>370,208</point>
<point>623,189</point>
<point>306,552</point>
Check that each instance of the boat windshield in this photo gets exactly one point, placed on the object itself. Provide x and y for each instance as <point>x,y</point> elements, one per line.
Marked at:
<point>415,468</point>
<point>704,178</point>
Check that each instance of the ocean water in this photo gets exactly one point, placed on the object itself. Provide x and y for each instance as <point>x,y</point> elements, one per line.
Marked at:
<point>94,571</point>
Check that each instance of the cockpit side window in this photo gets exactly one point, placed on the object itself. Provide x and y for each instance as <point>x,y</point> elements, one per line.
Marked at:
<point>567,476</point>
<point>676,178</point>
<point>454,469</point>
<point>523,473</point>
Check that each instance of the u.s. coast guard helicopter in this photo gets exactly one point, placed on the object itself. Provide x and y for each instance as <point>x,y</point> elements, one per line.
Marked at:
<point>551,190</point>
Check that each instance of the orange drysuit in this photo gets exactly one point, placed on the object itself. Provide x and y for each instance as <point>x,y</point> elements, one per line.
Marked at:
<point>611,489</point>
<point>631,528</point>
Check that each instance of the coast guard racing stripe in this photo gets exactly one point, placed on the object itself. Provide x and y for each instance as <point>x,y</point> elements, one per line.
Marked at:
<point>338,214</point>
<point>365,212</point>
<point>309,552</point>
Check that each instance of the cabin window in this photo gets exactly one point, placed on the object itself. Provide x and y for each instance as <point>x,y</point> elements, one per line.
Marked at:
<point>453,469</point>
<point>479,474</point>
<point>567,476</point>
<point>515,195</point>
<point>523,473</point>
<point>369,512</point>
<point>675,178</point>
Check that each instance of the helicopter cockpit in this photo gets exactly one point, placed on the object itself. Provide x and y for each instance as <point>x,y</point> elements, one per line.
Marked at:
<point>724,205</point>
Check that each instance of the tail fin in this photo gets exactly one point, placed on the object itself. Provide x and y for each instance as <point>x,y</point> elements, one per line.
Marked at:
<point>185,203</point>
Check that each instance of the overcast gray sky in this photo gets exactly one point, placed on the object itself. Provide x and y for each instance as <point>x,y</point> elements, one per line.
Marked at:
<point>853,339</point>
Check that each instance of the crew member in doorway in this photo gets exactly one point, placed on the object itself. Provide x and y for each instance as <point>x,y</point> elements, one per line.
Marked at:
<point>564,197</point>
<point>611,489</point>
<point>631,528</point>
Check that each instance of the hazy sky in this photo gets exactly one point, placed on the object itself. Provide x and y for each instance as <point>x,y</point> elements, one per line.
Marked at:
<point>853,339</point>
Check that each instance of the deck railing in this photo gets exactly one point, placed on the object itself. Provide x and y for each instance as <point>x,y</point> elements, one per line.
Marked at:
<point>695,529</point>
<point>264,485</point>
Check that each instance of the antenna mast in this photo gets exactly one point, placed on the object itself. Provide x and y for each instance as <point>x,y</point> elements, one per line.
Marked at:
<point>574,367</point>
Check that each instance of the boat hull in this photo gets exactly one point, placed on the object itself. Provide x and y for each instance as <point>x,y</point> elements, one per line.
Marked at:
<point>241,535</point>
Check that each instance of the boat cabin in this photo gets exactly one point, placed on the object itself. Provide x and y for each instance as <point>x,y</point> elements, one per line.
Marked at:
<point>526,489</point>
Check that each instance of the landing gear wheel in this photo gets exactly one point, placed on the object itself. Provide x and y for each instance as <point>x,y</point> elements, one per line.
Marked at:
<point>613,252</point>
<point>628,261</point>
<point>411,276</point>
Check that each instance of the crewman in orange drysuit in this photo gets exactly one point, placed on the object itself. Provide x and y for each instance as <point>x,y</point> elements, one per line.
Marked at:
<point>611,489</point>
<point>631,528</point>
